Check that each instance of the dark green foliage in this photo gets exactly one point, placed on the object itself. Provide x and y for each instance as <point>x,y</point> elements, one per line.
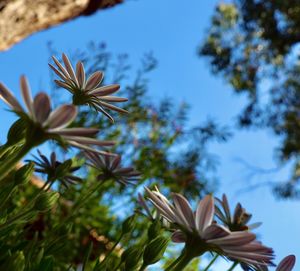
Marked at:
<point>254,46</point>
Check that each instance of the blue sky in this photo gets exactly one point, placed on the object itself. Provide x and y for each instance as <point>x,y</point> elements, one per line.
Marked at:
<point>172,30</point>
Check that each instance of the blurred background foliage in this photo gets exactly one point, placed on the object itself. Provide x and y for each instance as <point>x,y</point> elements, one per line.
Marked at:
<point>254,46</point>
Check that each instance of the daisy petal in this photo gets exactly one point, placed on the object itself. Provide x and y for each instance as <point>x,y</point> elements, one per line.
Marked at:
<point>234,239</point>
<point>106,90</point>
<point>62,116</point>
<point>89,141</point>
<point>80,74</point>
<point>62,69</point>
<point>69,68</point>
<point>9,98</point>
<point>87,148</point>
<point>64,85</point>
<point>26,94</point>
<point>75,131</point>
<point>178,237</point>
<point>215,231</point>
<point>116,162</point>
<point>113,107</point>
<point>184,210</point>
<point>204,213</point>
<point>113,99</point>
<point>94,80</point>
<point>42,108</point>
<point>287,263</point>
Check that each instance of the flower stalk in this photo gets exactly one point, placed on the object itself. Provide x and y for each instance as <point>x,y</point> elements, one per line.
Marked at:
<point>174,263</point>
<point>211,262</point>
<point>111,250</point>
<point>234,265</point>
<point>15,219</point>
<point>184,260</point>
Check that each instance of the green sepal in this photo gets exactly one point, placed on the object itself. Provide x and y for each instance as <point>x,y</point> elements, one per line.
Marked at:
<point>16,262</point>
<point>132,257</point>
<point>128,224</point>
<point>17,132</point>
<point>154,229</point>
<point>45,201</point>
<point>23,174</point>
<point>46,264</point>
<point>154,251</point>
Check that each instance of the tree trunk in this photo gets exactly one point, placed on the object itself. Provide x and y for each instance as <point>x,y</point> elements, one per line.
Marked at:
<point>20,18</point>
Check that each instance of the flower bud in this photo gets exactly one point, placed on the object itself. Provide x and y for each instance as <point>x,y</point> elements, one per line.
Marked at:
<point>45,201</point>
<point>24,174</point>
<point>154,230</point>
<point>128,224</point>
<point>155,250</point>
<point>16,262</point>
<point>132,257</point>
<point>16,132</point>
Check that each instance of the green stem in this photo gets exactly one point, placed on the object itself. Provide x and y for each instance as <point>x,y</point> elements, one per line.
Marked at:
<point>6,197</point>
<point>211,262</point>
<point>76,207</point>
<point>143,267</point>
<point>174,263</point>
<point>14,219</point>
<point>118,266</point>
<point>184,261</point>
<point>47,185</point>
<point>111,251</point>
<point>3,149</point>
<point>233,266</point>
<point>9,164</point>
<point>81,201</point>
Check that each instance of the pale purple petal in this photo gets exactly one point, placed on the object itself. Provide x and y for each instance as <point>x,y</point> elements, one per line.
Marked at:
<point>26,94</point>
<point>106,90</point>
<point>234,239</point>
<point>89,141</point>
<point>254,225</point>
<point>113,99</point>
<point>69,68</point>
<point>65,85</point>
<point>87,148</point>
<point>80,74</point>
<point>204,213</point>
<point>62,116</point>
<point>101,109</point>
<point>10,99</point>
<point>287,263</point>
<point>113,107</point>
<point>116,162</point>
<point>124,170</point>
<point>162,204</point>
<point>75,131</point>
<point>215,231</point>
<point>62,69</point>
<point>226,207</point>
<point>219,213</point>
<point>42,108</point>
<point>184,211</point>
<point>93,81</point>
<point>59,73</point>
<point>178,237</point>
<point>143,204</point>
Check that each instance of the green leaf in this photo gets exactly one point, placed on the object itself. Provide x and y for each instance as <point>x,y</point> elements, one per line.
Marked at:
<point>87,256</point>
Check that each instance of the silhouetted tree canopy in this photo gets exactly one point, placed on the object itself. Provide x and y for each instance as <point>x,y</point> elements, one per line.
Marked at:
<point>254,45</point>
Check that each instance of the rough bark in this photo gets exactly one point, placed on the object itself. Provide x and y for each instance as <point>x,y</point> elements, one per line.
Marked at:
<point>21,18</point>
